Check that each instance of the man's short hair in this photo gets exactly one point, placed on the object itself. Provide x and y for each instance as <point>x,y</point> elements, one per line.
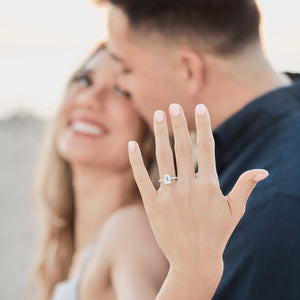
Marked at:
<point>225,26</point>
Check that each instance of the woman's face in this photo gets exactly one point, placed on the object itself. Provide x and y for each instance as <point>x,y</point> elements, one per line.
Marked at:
<point>97,119</point>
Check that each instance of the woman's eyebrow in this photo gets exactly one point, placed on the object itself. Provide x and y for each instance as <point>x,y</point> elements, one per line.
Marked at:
<point>85,71</point>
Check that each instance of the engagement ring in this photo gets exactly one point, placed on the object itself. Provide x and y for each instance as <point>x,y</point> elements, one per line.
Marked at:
<point>167,179</point>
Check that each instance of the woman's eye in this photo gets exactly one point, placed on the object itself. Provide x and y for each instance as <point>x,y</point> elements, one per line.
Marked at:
<point>83,80</point>
<point>121,92</point>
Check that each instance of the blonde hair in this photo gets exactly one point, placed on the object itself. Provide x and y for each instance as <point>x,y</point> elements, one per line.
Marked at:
<point>54,190</point>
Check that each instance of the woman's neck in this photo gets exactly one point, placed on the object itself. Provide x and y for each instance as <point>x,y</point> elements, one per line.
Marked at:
<point>98,193</point>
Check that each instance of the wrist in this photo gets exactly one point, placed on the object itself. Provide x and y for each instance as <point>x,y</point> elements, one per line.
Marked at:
<point>199,280</point>
<point>205,267</point>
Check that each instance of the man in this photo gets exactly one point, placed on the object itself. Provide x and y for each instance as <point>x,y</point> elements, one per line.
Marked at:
<point>204,51</point>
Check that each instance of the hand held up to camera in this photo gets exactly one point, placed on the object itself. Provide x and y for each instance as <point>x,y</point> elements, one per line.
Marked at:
<point>191,219</point>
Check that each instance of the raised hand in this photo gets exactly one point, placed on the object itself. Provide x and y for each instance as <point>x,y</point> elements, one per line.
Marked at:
<point>191,219</point>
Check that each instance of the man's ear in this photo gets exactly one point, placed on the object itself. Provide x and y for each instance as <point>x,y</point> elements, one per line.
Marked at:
<point>193,66</point>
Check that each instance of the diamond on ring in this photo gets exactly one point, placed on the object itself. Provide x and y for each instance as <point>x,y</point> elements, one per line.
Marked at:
<point>167,179</point>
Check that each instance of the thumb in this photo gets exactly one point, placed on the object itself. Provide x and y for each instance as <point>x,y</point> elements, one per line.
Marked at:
<point>243,188</point>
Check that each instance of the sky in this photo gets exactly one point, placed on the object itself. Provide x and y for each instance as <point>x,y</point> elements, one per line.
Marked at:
<point>43,42</point>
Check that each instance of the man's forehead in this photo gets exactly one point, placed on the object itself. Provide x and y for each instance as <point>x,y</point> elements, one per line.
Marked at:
<point>118,35</point>
<point>117,21</point>
<point>124,41</point>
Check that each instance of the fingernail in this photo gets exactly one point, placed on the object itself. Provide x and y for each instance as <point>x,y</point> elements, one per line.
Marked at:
<point>159,116</point>
<point>201,109</point>
<point>175,110</point>
<point>131,146</point>
<point>261,176</point>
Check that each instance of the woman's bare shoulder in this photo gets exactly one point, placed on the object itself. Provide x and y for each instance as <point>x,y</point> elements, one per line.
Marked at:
<point>126,247</point>
<point>128,233</point>
<point>127,224</point>
<point>127,228</point>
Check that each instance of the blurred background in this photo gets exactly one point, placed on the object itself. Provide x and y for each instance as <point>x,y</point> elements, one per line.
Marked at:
<point>41,44</point>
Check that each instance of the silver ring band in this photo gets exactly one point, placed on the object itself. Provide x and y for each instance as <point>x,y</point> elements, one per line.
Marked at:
<point>167,179</point>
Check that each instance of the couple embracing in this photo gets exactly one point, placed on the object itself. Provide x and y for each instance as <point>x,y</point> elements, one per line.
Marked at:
<point>170,67</point>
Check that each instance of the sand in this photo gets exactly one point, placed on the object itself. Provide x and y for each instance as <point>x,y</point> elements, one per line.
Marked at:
<point>20,139</point>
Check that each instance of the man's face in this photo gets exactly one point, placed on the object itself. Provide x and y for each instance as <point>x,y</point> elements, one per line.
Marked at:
<point>150,71</point>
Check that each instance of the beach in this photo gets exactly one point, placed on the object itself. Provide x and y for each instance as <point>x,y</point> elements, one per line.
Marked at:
<point>20,141</point>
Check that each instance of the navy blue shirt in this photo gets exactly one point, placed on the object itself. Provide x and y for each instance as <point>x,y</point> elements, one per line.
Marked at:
<point>262,258</point>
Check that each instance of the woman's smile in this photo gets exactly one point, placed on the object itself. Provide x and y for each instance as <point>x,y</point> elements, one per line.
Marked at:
<point>87,128</point>
<point>83,127</point>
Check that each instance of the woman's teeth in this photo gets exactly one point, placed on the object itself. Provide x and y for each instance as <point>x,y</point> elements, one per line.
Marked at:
<point>86,128</point>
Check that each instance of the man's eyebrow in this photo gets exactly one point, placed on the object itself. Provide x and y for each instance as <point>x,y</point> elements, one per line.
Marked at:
<point>115,57</point>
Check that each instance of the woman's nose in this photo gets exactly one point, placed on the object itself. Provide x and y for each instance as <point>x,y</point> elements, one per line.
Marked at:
<point>91,99</point>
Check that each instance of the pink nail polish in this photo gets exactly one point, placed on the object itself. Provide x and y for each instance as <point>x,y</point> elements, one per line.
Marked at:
<point>175,110</point>
<point>261,177</point>
<point>159,116</point>
<point>201,109</point>
<point>131,146</point>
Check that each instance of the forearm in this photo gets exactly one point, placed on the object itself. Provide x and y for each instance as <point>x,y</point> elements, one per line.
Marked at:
<point>191,284</point>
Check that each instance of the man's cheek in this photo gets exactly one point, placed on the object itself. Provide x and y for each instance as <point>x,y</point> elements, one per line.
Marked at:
<point>134,89</point>
<point>144,88</point>
<point>122,81</point>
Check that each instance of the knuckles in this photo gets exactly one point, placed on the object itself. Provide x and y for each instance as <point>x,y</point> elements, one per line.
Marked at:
<point>208,183</point>
<point>160,130</point>
<point>165,156</point>
<point>249,184</point>
<point>206,144</point>
<point>179,124</point>
<point>134,159</point>
<point>185,148</point>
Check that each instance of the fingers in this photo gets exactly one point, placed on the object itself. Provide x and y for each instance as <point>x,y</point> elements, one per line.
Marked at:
<point>205,142</point>
<point>183,144</point>
<point>243,188</point>
<point>164,154</point>
<point>140,173</point>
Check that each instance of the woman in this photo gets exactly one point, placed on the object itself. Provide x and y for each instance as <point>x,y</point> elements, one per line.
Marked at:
<point>96,242</point>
